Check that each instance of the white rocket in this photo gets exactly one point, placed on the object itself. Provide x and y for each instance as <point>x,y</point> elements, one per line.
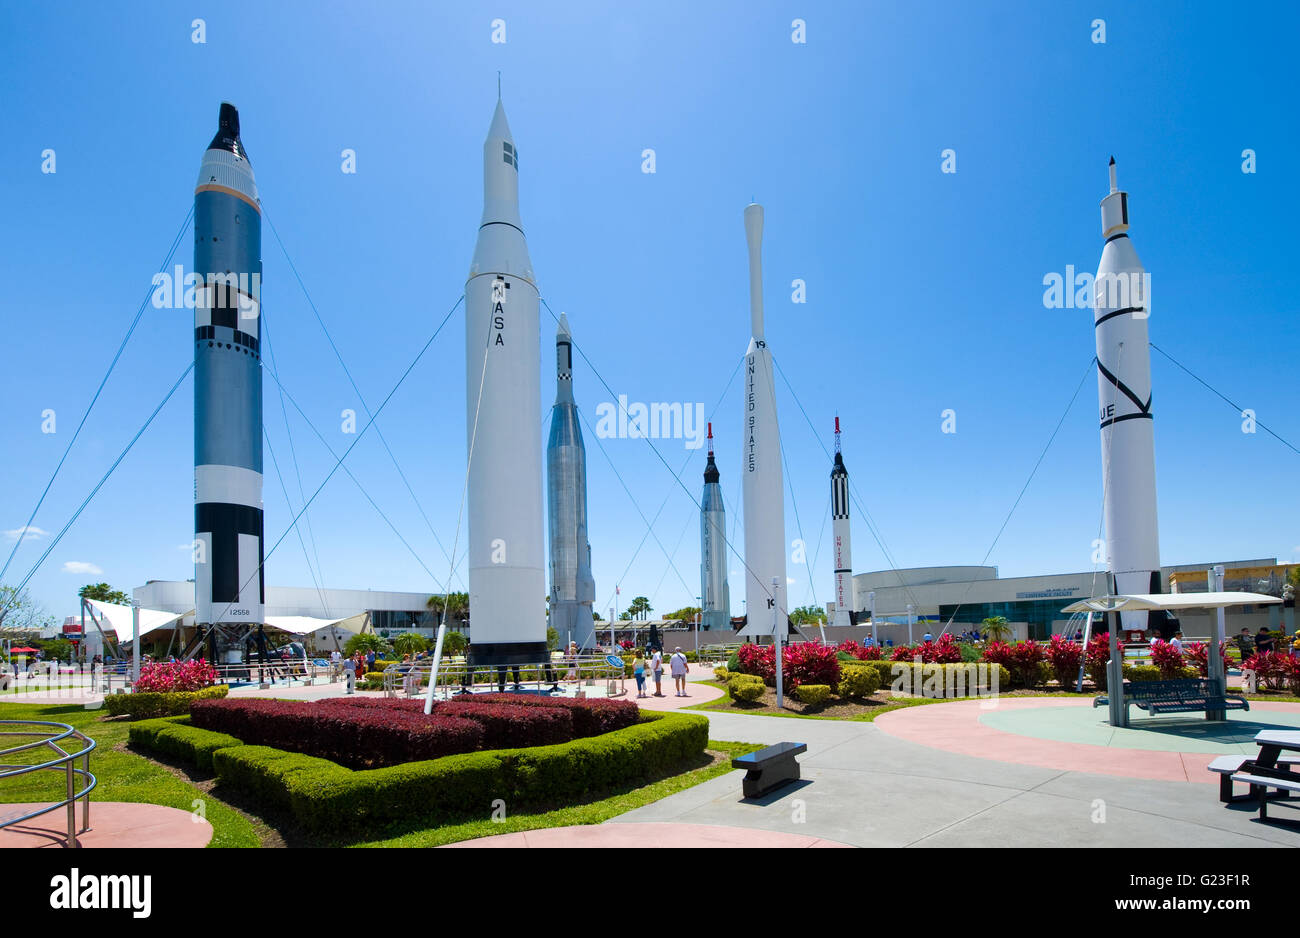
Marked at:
<point>507,582</point>
<point>1121,302</point>
<point>764,492</point>
<point>715,596</point>
<point>845,601</point>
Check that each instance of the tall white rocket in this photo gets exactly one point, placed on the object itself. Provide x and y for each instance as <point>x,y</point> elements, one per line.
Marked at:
<point>1121,301</point>
<point>845,601</point>
<point>715,595</point>
<point>507,582</point>
<point>764,491</point>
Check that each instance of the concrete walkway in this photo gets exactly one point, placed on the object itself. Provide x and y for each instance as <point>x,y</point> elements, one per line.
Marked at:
<point>866,787</point>
<point>112,824</point>
<point>649,835</point>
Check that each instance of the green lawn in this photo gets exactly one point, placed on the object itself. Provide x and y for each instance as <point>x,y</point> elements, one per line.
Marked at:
<point>122,775</point>
<point>127,776</point>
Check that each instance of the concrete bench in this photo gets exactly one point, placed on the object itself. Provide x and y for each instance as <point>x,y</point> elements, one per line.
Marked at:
<point>1261,778</point>
<point>769,768</point>
<point>1225,766</point>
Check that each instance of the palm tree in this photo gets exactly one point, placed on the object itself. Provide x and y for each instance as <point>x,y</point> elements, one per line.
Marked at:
<point>641,607</point>
<point>410,643</point>
<point>996,629</point>
<point>457,609</point>
<point>365,641</point>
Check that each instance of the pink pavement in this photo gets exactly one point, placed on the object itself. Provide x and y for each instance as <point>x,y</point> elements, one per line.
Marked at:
<point>956,727</point>
<point>112,824</point>
<point>649,835</point>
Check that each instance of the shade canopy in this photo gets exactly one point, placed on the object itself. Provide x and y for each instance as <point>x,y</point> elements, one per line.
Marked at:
<point>305,625</point>
<point>1172,602</point>
<point>121,620</point>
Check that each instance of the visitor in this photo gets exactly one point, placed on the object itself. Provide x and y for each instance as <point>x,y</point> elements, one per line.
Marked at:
<point>350,672</point>
<point>571,658</point>
<point>1177,642</point>
<point>638,672</point>
<point>1246,643</point>
<point>927,637</point>
<point>678,666</point>
<point>370,660</point>
<point>336,664</point>
<point>1263,641</point>
<point>657,665</point>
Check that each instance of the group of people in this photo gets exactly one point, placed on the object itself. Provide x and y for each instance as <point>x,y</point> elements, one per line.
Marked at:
<point>677,667</point>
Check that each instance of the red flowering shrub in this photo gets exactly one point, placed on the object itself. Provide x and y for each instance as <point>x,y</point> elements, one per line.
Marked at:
<point>809,663</point>
<point>1097,656</point>
<point>861,652</point>
<point>626,644</point>
<point>1064,657</point>
<point>1275,669</point>
<point>902,653</point>
<point>759,660</point>
<point>1198,656</point>
<point>1022,660</point>
<point>590,717</point>
<point>171,676</point>
<point>1167,658</point>
<point>944,651</point>
<point>997,652</point>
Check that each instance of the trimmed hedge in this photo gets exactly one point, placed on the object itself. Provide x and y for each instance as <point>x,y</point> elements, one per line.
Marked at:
<point>590,717</point>
<point>813,695</point>
<point>174,736</point>
<point>857,681</point>
<point>916,677</point>
<point>327,797</point>
<point>746,690</point>
<point>149,705</point>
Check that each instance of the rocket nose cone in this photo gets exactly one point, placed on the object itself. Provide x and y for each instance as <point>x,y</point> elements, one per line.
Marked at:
<point>563,328</point>
<point>500,129</point>
<point>227,136</point>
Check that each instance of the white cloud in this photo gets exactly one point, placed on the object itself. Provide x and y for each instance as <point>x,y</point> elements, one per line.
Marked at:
<point>80,566</point>
<point>33,532</point>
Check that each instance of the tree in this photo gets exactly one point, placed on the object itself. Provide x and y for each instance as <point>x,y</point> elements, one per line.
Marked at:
<point>457,609</point>
<point>552,639</point>
<point>104,593</point>
<point>20,612</point>
<point>625,616</point>
<point>996,629</point>
<point>410,643</point>
<point>454,643</point>
<point>640,607</point>
<point>808,615</point>
<point>365,642</point>
<point>684,614</point>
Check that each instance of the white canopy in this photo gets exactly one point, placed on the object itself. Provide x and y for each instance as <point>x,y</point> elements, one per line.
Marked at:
<point>121,620</point>
<point>1174,602</point>
<point>304,625</point>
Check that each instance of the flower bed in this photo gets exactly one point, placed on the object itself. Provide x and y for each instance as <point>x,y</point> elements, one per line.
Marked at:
<point>327,797</point>
<point>167,677</point>
<point>367,733</point>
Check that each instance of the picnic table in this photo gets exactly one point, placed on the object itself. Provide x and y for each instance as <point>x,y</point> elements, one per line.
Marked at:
<point>1264,772</point>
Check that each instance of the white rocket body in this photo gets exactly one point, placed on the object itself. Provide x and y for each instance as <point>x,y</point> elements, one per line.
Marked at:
<point>507,581</point>
<point>845,600</point>
<point>715,594</point>
<point>763,484</point>
<point>1121,307</point>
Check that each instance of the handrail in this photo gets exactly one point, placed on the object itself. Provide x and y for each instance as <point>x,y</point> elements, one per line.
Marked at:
<point>555,671</point>
<point>64,759</point>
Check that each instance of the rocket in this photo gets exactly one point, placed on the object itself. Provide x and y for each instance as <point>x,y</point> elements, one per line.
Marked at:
<point>845,601</point>
<point>228,527</point>
<point>573,591</point>
<point>715,597</point>
<point>764,493</point>
<point>507,582</point>
<point>1121,304</point>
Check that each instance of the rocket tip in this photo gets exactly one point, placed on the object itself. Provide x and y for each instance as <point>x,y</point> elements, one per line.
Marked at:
<point>710,431</point>
<point>563,327</point>
<point>227,135</point>
<point>1112,161</point>
<point>500,128</point>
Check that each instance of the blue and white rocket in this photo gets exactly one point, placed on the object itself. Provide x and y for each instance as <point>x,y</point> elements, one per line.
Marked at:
<point>573,591</point>
<point>1122,304</point>
<point>715,596</point>
<point>503,385</point>
<point>845,600</point>
<point>228,527</point>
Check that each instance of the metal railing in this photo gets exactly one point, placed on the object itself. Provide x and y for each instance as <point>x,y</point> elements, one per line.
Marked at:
<point>51,737</point>
<point>412,680</point>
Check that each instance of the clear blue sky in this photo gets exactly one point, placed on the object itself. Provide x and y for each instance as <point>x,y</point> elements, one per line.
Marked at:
<point>924,290</point>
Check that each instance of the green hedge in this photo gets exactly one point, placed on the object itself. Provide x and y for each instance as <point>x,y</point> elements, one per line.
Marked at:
<point>148,705</point>
<point>175,737</point>
<point>746,690</point>
<point>1149,672</point>
<point>856,681</point>
<point>915,676</point>
<point>327,797</point>
<point>813,695</point>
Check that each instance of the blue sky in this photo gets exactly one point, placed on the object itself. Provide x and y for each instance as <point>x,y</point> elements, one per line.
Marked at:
<point>924,289</point>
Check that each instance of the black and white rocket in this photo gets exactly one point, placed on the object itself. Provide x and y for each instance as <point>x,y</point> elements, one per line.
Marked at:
<point>715,596</point>
<point>507,581</point>
<point>573,591</point>
<point>1121,301</point>
<point>845,600</point>
<point>228,528</point>
<point>761,475</point>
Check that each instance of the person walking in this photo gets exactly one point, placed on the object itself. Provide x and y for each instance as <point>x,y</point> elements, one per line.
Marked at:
<point>657,665</point>
<point>638,672</point>
<point>1263,641</point>
<point>678,666</point>
<point>350,673</point>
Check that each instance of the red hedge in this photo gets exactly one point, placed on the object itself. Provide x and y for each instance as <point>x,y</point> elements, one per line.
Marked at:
<point>590,717</point>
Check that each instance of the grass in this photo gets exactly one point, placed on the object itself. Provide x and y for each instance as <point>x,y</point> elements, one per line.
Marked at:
<point>122,775</point>
<point>612,804</point>
<point>726,704</point>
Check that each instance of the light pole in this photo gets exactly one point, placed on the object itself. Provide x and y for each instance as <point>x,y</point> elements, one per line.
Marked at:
<point>135,643</point>
<point>871,607</point>
<point>776,638</point>
<point>910,610</point>
<point>698,610</point>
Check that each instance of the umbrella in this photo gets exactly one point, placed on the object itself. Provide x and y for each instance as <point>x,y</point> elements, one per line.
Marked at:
<point>22,651</point>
